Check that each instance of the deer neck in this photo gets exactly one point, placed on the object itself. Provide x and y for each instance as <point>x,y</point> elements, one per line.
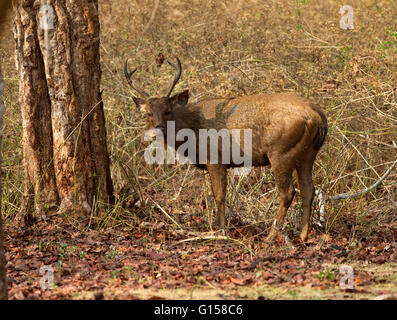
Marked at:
<point>186,118</point>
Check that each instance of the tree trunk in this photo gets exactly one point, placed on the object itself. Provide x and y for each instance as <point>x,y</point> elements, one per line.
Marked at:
<point>66,160</point>
<point>3,278</point>
<point>40,191</point>
<point>4,8</point>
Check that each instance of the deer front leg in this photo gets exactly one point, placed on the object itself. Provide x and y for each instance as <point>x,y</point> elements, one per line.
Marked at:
<point>217,174</point>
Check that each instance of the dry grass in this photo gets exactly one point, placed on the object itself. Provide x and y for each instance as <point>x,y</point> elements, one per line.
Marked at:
<point>243,47</point>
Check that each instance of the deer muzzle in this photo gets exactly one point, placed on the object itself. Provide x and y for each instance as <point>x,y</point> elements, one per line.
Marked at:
<point>154,132</point>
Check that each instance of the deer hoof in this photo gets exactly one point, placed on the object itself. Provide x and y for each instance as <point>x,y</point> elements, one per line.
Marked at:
<point>304,236</point>
<point>272,235</point>
<point>304,233</point>
<point>219,224</point>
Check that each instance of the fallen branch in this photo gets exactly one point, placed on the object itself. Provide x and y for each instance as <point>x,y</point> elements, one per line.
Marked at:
<point>215,237</point>
<point>200,238</point>
<point>323,198</point>
<point>165,212</point>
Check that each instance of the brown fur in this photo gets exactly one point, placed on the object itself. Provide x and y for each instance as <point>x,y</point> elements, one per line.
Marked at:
<point>287,133</point>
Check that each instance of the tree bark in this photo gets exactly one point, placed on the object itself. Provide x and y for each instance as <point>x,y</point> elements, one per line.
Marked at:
<point>40,191</point>
<point>66,159</point>
<point>4,9</point>
<point>3,278</point>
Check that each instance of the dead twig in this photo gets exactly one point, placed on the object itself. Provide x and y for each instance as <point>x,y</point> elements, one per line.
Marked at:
<point>165,212</point>
<point>323,198</point>
<point>200,238</point>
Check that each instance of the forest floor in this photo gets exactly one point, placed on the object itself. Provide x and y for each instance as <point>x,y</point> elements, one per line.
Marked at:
<point>159,263</point>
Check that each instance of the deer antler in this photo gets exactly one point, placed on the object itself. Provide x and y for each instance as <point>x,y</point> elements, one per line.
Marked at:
<point>177,76</point>
<point>128,76</point>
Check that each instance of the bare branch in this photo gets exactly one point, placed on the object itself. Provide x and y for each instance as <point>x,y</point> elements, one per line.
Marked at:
<point>323,198</point>
<point>356,194</point>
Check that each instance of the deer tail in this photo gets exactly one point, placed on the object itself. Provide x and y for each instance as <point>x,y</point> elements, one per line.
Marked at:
<point>322,129</point>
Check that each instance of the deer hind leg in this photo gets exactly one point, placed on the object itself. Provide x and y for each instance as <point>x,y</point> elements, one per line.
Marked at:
<point>283,177</point>
<point>306,187</point>
<point>218,182</point>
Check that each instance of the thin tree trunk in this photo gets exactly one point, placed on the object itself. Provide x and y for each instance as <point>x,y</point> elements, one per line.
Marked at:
<point>40,190</point>
<point>61,104</point>
<point>3,278</point>
<point>4,8</point>
<point>73,77</point>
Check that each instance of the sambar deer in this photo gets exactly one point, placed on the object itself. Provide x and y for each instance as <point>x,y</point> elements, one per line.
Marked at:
<point>287,133</point>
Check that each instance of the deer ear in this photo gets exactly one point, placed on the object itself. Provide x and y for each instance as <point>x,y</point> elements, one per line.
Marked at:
<point>140,103</point>
<point>180,99</point>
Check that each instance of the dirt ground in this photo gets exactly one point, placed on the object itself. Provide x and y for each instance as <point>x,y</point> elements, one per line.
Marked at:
<point>156,241</point>
<point>156,263</point>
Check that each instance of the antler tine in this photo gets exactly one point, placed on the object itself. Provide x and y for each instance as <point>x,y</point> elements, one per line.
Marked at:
<point>128,76</point>
<point>177,76</point>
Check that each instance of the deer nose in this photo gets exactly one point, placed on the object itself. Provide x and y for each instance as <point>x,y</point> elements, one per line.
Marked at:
<point>157,131</point>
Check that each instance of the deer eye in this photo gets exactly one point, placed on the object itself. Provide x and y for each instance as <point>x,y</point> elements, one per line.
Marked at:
<point>150,114</point>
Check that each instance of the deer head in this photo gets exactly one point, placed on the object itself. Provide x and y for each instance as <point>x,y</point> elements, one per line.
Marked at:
<point>158,110</point>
